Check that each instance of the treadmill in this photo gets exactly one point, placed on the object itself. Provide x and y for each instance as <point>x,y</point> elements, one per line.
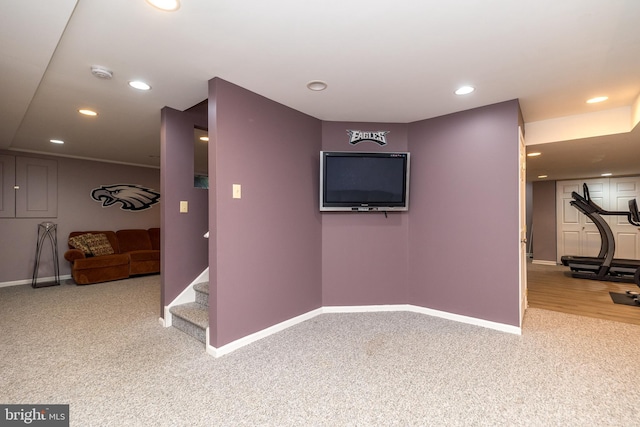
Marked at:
<point>604,266</point>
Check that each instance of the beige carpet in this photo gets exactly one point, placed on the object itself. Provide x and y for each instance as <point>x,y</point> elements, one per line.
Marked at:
<point>101,349</point>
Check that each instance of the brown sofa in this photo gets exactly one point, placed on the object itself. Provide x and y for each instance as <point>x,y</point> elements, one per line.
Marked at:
<point>101,256</point>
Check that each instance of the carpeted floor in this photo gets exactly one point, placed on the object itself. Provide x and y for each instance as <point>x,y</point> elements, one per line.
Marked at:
<point>101,349</point>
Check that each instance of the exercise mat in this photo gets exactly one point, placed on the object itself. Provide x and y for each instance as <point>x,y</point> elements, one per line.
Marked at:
<point>623,299</point>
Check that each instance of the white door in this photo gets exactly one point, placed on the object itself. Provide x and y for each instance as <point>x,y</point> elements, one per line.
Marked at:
<point>523,226</point>
<point>627,236</point>
<point>577,234</point>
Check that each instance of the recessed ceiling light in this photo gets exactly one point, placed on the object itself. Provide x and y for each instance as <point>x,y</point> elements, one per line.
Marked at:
<point>597,99</point>
<point>56,141</point>
<point>316,85</point>
<point>465,90</point>
<point>140,85</point>
<point>87,112</point>
<point>166,5</point>
<point>606,174</point>
<point>542,176</point>
<point>204,138</point>
<point>535,154</point>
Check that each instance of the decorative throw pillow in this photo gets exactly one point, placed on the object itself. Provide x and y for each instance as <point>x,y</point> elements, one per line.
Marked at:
<point>79,243</point>
<point>99,244</point>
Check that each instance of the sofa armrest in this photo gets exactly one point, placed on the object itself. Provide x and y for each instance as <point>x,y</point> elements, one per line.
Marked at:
<point>74,254</point>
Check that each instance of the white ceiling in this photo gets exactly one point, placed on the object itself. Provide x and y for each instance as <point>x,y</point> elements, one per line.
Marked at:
<point>384,62</point>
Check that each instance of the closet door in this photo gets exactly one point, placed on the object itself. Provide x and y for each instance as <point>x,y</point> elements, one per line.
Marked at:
<point>37,193</point>
<point>626,235</point>
<point>577,234</point>
<point>7,192</point>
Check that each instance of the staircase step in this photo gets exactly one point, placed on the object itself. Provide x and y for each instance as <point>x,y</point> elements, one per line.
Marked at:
<point>202,293</point>
<point>191,318</point>
<point>202,287</point>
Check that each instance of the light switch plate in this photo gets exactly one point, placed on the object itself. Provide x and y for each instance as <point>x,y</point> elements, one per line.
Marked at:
<point>237,191</point>
<point>184,206</point>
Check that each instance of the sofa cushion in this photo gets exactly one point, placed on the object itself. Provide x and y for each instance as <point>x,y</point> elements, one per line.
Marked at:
<point>102,262</point>
<point>99,244</point>
<point>78,242</point>
<point>150,255</point>
<point>133,240</point>
<point>100,269</point>
<point>111,236</point>
<point>144,262</point>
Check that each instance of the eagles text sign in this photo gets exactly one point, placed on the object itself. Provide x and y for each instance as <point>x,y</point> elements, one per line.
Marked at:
<point>379,137</point>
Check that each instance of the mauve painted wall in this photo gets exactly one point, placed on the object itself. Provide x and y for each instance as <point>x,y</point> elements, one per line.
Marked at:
<point>77,211</point>
<point>544,221</point>
<point>463,228</point>
<point>184,249</point>
<point>364,254</point>
<point>265,250</point>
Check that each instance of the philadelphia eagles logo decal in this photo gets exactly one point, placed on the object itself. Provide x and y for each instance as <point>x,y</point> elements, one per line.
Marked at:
<point>131,197</point>
<point>357,136</point>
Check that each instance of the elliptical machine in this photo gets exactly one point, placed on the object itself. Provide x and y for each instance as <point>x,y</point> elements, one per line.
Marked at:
<point>635,220</point>
<point>604,266</point>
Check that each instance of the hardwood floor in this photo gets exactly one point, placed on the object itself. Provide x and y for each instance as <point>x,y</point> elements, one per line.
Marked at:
<point>552,288</point>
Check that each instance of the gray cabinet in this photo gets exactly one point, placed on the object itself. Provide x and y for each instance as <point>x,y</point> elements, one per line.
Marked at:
<point>28,187</point>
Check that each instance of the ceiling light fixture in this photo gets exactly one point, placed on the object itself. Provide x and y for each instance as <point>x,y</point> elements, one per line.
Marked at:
<point>606,174</point>
<point>56,141</point>
<point>140,85</point>
<point>535,154</point>
<point>87,112</point>
<point>542,176</point>
<point>597,99</point>
<point>465,90</point>
<point>204,138</point>
<point>316,85</point>
<point>166,5</point>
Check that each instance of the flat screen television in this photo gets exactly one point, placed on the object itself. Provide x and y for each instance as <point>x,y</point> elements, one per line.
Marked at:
<point>357,181</point>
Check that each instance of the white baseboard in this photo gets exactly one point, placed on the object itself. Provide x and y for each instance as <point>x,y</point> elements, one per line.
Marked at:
<point>365,308</point>
<point>28,281</point>
<point>543,262</point>
<point>234,345</point>
<point>502,327</point>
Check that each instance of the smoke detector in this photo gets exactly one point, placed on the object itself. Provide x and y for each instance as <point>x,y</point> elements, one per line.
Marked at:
<point>101,72</point>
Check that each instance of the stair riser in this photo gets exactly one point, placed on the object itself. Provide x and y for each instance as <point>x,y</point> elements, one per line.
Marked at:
<point>202,298</point>
<point>189,328</point>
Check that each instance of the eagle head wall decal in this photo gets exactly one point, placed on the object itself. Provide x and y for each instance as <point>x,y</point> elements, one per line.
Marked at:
<point>131,197</point>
